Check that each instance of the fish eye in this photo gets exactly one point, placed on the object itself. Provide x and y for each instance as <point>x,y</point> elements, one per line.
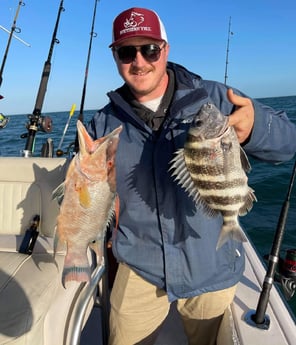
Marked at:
<point>198,122</point>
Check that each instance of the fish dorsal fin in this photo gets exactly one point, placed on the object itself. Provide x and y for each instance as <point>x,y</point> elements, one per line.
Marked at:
<point>58,193</point>
<point>86,144</point>
<point>182,175</point>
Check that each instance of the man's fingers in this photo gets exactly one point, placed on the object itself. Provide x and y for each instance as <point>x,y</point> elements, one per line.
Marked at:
<point>242,119</point>
<point>239,101</point>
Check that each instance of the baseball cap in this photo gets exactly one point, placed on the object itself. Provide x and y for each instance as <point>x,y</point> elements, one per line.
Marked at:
<point>137,22</point>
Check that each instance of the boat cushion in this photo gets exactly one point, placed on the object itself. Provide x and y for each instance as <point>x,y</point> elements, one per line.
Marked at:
<point>26,187</point>
<point>35,308</point>
<point>28,285</point>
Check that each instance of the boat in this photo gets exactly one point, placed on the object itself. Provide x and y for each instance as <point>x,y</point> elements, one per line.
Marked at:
<point>37,309</point>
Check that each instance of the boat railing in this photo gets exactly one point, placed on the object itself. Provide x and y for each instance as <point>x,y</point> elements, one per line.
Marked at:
<point>97,288</point>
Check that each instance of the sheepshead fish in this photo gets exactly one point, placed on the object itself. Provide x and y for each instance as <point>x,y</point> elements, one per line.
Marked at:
<point>89,202</point>
<point>212,168</point>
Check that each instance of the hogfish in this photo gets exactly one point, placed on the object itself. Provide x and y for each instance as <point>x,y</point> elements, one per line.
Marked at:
<point>212,168</point>
<point>89,202</point>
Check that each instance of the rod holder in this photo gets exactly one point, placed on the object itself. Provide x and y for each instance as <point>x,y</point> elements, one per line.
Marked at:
<point>250,320</point>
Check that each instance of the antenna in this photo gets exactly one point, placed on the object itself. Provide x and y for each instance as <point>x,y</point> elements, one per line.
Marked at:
<point>13,29</point>
<point>15,36</point>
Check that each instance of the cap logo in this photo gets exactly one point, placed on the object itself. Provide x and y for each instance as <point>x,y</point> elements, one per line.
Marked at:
<point>137,22</point>
<point>133,23</point>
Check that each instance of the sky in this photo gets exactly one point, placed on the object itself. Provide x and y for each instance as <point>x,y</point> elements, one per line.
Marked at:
<point>261,58</point>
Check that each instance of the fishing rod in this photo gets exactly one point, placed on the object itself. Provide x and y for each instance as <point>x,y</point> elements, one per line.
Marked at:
<point>13,29</point>
<point>59,151</point>
<point>288,271</point>
<point>227,50</point>
<point>92,35</point>
<point>36,121</point>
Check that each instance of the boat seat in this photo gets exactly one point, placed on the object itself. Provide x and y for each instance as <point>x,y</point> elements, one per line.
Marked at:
<point>35,308</point>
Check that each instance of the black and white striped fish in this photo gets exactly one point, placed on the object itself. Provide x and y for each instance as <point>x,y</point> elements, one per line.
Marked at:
<point>212,168</point>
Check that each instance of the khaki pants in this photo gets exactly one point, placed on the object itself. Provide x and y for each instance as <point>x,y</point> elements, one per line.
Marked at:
<point>138,309</point>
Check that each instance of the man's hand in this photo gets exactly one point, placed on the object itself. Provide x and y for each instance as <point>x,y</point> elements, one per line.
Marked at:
<point>242,119</point>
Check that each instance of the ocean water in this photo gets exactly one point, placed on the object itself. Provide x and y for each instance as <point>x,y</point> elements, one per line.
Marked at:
<point>270,182</point>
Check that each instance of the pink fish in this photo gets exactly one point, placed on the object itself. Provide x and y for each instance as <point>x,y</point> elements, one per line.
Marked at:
<point>89,202</point>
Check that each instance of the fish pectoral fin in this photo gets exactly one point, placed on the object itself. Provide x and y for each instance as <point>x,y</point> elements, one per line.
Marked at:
<point>58,193</point>
<point>250,199</point>
<point>244,160</point>
<point>84,196</point>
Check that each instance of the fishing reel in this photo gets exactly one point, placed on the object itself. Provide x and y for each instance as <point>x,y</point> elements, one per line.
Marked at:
<point>68,152</point>
<point>3,121</point>
<point>36,123</point>
<point>286,273</point>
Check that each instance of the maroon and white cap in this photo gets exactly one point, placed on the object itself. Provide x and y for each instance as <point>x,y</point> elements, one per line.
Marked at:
<point>137,22</point>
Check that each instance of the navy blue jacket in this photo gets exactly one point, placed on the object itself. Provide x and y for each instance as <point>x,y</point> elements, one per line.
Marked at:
<point>162,235</point>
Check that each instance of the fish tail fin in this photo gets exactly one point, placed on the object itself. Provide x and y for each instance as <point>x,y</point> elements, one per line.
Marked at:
<point>229,231</point>
<point>76,271</point>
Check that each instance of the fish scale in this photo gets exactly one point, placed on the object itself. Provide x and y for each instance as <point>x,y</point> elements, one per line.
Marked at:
<point>212,168</point>
<point>89,202</point>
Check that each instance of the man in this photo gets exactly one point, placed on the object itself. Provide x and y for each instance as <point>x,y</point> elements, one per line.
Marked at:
<point>165,246</point>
